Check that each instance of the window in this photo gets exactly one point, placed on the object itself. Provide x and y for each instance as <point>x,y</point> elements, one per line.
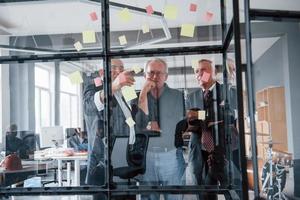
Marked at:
<point>69,103</point>
<point>42,97</point>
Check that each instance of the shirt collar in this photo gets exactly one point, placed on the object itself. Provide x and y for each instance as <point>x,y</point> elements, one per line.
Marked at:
<point>211,87</point>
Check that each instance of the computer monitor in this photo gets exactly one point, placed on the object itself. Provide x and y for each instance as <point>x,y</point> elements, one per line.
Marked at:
<point>51,136</point>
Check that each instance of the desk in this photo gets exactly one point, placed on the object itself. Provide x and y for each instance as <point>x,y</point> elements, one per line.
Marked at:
<point>77,159</point>
<point>9,177</point>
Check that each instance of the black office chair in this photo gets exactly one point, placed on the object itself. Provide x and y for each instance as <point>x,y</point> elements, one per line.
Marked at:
<point>136,158</point>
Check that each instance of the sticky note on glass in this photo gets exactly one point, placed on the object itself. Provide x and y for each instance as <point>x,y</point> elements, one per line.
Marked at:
<point>75,78</point>
<point>130,122</point>
<point>97,81</point>
<point>187,30</point>
<point>123,40</point>
<point>208,16</point>
<point>101,72</point>
<point>201,114</point>
<point>136,69</point>
<point>89,36</point>
<point>149,10</point>
<point>170,12</point>
<point>145,28</point>
<point>93,16</point>
<point>78,46</point>
<point>125,15</point>
<point>194,64</point>
<point>205,77</point>
<point>193,7</point>
<point>128,93</point>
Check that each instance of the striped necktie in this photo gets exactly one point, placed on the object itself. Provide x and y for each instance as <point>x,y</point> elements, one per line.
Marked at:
<point>207,139</point>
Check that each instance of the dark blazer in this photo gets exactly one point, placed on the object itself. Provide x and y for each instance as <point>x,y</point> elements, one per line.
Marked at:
<point>214,111</point>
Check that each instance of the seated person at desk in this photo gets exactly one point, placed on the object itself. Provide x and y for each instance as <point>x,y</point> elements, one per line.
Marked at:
<point>78,141</point>
<point>13,143</point>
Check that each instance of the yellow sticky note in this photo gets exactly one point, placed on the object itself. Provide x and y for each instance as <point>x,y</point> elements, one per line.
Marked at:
<point>128,93</point>
<point>75,78</point>
<point>78,46</point>
<point>194,64</point>
<point>201,114</point>
<point>170,12</point>
<point>187,30</point>
<point>125,15</point>
<point>123,40</point>
<point>130,122</point>
<point>136,69</point>
<point>89,36</point>
<point>145,28</point>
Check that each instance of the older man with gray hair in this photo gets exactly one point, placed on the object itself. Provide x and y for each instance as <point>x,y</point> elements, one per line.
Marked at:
<point>160,108</point>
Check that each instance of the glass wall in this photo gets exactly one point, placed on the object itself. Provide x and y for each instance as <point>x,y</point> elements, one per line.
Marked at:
<point>274,86</point>
<point>148,99</point>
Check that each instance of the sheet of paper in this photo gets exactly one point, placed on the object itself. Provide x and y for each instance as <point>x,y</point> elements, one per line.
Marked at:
<point>201,114</point>
<point>170,12</point>
<point>97,81</point>
<point>128,93</point>
<point>193,7</point>
<point>89,36</point>
<point>125,15</point>
<point>187,30</point>
<point>123,40</point>
<point>205,77</point>
<point>93,16</point>
<point>75,78</point>
<point>145,28</point>
<point>136,69</point>
<point>130,122</point>
<point>78,46</point>
<point>194,64</point>
<point>149,10</point>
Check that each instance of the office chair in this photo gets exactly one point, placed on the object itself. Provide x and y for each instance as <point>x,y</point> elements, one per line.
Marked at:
<point>136,158</point>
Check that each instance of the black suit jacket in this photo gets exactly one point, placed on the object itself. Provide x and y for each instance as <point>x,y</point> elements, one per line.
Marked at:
<point>214,108</point>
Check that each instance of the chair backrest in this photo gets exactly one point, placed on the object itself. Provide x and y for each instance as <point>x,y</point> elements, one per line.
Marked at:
<point>136,153</point>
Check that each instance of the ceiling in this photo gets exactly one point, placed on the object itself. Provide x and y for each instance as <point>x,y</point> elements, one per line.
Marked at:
<point>72,16</point>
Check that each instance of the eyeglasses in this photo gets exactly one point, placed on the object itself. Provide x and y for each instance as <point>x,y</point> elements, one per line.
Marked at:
<point>157,73</point>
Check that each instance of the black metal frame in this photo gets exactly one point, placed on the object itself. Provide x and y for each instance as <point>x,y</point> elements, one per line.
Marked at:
<point>233,32</point>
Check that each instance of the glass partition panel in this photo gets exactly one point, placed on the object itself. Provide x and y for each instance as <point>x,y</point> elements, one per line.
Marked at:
<point>288,5</point>
<point>158,24</point>
<point>50,27</point>
<point>159,122</point>
<point>46,112</point>
<point>275,83</point>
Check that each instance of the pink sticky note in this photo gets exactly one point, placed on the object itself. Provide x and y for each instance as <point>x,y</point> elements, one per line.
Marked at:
<point>205,77</point>
<point>193,7</point>
<point>97,81</point>
<point>93,16</point>
<point>122,78</point>
<point>101,72</point>
<point>208,16</point>
<point>149,9</point>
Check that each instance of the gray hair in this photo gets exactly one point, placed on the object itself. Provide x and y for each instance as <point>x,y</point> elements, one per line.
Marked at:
<point>156,60</point>
<point>212,67</point>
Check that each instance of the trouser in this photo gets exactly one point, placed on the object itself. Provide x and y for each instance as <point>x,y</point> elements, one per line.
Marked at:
<point>164,168</point>
<point>96,163</point>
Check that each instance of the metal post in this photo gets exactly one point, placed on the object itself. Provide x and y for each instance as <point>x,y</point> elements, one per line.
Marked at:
<point>251,100</point>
